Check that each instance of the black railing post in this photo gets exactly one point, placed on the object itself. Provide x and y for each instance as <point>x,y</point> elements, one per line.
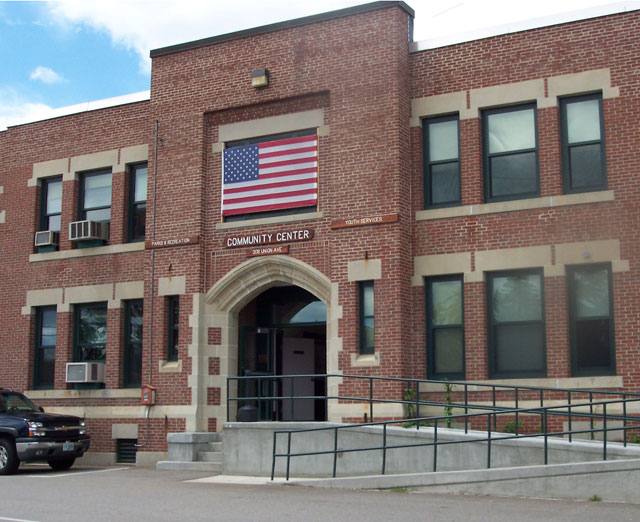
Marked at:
<point>542,398</point>
<point>488,441</point>
<point>435,445</point>
<point>228,399</point>
<point>591,413</point>
<point>416,404</point>
<point>517,415</point>
<point>288,453</point>
<point>335,451</point>
<point>326,396</point>
<point>370,399</point>
<point>258,395</point>
<point>273,461</point>
<point>495,417</point>
<point>624,418</point>
<point>292,395</point>
<point>466,409</point>
<point>546,438</point>
<point>570,420</point>
<point>604,431</point>
<point>384,447</point>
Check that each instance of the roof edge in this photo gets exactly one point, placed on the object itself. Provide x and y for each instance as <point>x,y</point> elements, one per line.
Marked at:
<point>278,26</point>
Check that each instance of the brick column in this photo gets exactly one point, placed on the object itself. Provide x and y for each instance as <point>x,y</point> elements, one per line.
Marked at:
<point>118,227</point>
<point>115,334</point>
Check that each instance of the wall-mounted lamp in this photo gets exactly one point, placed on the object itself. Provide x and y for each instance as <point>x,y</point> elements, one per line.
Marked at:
<point>260,78</point>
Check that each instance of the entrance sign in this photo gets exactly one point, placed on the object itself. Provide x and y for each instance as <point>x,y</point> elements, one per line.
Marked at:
<point>268,251</point>
<point>288,236</point>
<point>359,222</point>
<point>179,241</point>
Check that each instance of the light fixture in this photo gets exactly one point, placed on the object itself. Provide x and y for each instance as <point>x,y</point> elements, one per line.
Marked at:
<point>260,78</point>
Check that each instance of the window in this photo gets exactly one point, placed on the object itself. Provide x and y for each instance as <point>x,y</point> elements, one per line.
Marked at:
<point>510,153</point>
<point>583,157</point>
<point>270,176</point>
<point>132,367</point>
<point>173,327</point>
<point>366,301</point>
<point>51,204</point>
<point>516,324</point>
<point>441,162</point>
<point>45,348</point>
<point>137,202</point>
<point>90,332</point>
<point>95,196</point>
<point>591,318</point>
<point>445,328</point>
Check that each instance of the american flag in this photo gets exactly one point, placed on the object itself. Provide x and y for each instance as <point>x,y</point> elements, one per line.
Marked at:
<point>271,175</point>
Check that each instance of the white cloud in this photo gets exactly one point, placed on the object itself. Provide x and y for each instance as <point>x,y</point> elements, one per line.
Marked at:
<point>46,75</point>
<point>14,109</point>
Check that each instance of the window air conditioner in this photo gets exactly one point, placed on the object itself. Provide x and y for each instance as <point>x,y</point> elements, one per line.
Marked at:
<point>46,238</point>
<point>85,372</point>
<point>81,230</point>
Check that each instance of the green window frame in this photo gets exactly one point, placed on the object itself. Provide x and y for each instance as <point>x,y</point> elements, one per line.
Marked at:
<point>445,327</point>
<point>95,196</point>
<point>591,320</point>
<point>583,145</point>
<point>137,213</point>
<point>441,157</point>
<point>173,327</point>
<point>45,348</point>
<point>516,324</point>
<point>510,153</point>
<point>90,332</point>
<point>51,204</point>
<point>132,354</point>
<point>366,305</point>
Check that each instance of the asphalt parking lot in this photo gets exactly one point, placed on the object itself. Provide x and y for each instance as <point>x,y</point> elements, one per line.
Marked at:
<point>37,494</point>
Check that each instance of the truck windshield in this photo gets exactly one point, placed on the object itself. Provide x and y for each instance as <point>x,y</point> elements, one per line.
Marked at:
<point>11,402</point>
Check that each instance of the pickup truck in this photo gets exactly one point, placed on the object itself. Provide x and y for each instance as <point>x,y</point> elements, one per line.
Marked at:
<point>28,434</point>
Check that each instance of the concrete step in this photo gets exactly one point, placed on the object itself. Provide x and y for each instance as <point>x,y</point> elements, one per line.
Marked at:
<point>210,456</point>
<point>178,465</point>
<point>215,446</point>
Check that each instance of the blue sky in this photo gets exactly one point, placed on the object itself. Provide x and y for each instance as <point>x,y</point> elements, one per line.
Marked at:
<point>67,52</point>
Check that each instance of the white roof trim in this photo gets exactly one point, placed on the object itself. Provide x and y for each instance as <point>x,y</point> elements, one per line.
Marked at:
<point>83,107</point>
<point>525,25</point>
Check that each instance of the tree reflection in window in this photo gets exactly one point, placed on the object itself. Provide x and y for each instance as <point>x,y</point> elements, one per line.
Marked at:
<point>91,332</point>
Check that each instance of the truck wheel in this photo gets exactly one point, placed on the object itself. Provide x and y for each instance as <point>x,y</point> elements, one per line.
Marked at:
<point>8,458</point>
<point>61,465</point>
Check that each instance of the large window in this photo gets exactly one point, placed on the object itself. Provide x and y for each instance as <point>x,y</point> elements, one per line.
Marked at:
<point>583,156</point>
<point>45,348</point>
<point>366,326</point>
<point>173,327</point>
<point>510,141</point>
<point>90,332</point>
<point>51,204</point>
<point>441,162</point>
<point>137,202</point>
<point>95,196</point>
<point>516,324</point>
<point>445,328</point>
<point>591,318</point>
<point>132,370</point>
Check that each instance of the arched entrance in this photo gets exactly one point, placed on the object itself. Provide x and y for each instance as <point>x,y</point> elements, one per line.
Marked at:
<point>283,332</point>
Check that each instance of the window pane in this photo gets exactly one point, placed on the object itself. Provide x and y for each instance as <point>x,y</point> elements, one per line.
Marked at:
<point>513,174</point>
<point>446,299</point>
<point>368,332</point>
<point>593,343</point>
<point>513,130</point>
<point>586,166</point>
<point>92,334</point>
<point>591,293</point>
<point>53,223</point>
<point>314,312</point>
<point>135,318</point>
<point>367,299</point>
<point>583,121</point>
<point>98,215</point>
<point>139,221</point>
<point>141,184</point>
<point>443,140</point>
<point>48,325</point>
<point>519,348</point>
<point>45,362</point>
<point>445,185</point>
<point>54,197</point>
<point>517,298</point>
<point>448,350</point>
<point>97,191</point>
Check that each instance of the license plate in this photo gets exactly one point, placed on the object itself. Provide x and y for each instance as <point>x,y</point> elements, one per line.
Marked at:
<point>67,446</point>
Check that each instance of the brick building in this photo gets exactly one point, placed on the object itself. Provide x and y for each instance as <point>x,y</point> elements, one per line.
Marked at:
<point>469,212</point>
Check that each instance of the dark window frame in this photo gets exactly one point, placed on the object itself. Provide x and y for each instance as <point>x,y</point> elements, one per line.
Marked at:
<point>128,345</point>
<point>82,210</point>
<point>576,371</point>
<point>77,348</point>
<point>487,156</point>
<point>44,196</point>
<point>431,329</point>
<point>173,327</point>
<point>566,146</point>
<point>492,325</point>
<point>363,348</point>
<point>428,164</point>
<point>134,204</point>
<point>38,347</point>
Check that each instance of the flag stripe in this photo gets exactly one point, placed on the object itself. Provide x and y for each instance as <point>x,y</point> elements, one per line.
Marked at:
<point>308,151</point>
<point>271,196</point>
<point>244,208</point>
<point>269,183</point>
<point>271,192</point>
